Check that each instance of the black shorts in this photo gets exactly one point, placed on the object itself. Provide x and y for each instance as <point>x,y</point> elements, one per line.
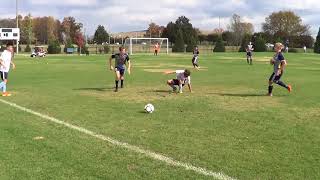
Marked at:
<point>121,70</point>
<point>156,51</point>
<point>176,82</point>
<point>249,54</point>
<point>4,75</point>
<point>274,77</point>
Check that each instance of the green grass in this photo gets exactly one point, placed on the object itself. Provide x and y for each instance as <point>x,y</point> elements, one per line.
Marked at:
<point>226,125</point>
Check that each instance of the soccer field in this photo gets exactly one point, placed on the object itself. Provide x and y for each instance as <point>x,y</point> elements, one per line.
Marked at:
<point>227,128</point>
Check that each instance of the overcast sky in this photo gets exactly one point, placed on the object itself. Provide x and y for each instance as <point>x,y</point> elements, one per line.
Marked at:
<point>132,15</point>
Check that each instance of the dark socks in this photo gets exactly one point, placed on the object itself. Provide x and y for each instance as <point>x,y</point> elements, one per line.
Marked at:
<point>122,83</point>
<point>270,89</point>
<point>117,84</point>
<point>280,83</point>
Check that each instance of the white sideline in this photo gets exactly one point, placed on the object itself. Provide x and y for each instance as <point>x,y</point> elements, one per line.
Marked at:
<point>150,154</point>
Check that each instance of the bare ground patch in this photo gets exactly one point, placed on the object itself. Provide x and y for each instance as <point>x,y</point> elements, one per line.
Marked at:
<point>238,99</point>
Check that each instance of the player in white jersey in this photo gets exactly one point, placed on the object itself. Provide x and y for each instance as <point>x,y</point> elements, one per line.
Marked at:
<point>182,78</point>
<point>249,51</point>
<point>6,60</point>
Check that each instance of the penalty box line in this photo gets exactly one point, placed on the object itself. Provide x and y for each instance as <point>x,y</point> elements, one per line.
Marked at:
<point>136,149</point>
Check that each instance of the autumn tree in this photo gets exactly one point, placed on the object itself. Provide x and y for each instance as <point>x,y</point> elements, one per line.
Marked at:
<point>79,40</point>
<point>70,27</point>
<point>154,30</point>
<point>285,23</point>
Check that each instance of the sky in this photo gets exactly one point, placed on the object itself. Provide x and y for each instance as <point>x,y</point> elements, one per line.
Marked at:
<point>134,15</point>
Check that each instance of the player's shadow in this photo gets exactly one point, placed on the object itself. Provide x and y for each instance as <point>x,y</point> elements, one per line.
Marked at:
<point>240,95</point>
<point>94,89</point>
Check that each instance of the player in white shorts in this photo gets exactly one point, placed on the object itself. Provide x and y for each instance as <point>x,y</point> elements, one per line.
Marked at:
<point>6,60</point>
<point>182,78</point>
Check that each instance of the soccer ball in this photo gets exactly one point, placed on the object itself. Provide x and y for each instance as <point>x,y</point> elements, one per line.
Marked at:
<point>149,108</point>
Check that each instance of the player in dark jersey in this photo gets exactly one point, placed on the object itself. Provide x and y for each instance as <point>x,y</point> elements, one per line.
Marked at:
<point>121,60</point>
<point>195,57</point>
<point>279,63</point>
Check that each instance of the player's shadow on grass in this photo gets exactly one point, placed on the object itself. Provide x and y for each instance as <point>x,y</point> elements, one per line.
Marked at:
<point>245,95</point>
<point>94,89</point>
<point>240,95</point>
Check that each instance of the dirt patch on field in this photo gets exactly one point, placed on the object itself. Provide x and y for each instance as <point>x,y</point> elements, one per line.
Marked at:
<point>156,70</point>
<point>165,67</point>
<point>132,94</point>
<point>235,99</point>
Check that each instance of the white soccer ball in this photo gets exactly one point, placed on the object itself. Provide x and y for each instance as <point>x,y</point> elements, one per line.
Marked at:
<point>149,108</point>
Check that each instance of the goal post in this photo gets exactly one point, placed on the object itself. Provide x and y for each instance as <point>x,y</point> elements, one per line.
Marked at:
<point>146,45</point>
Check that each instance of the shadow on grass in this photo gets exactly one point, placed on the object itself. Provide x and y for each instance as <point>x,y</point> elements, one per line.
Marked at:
<point>94,89</point>
<point>142,112</point>
<point>244,95</point>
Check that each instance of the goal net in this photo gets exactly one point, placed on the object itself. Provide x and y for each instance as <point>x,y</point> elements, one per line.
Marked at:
<point>147,45</point>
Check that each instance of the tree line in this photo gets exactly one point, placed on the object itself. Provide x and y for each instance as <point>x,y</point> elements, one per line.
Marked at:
<point>282,26</point>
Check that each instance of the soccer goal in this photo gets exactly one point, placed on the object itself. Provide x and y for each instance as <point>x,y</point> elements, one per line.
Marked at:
<point>147,45</point>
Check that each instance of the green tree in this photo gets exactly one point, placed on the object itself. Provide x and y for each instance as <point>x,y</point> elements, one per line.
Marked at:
<point>317,44</point>
<point>101,35</point>
<point>213,38</point>
<point>54,47</point>
<point>27,49</point>
<point>189,34</point>
<point>219,47</point>
<point>170,32</point>
<point>260,44</point>
<point>179,44</point>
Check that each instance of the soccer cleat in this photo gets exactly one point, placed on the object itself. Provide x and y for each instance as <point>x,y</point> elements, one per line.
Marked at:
<point>116,90</point>
<point>269,94</point>
<point>289,88</point>
<point>6,94</point>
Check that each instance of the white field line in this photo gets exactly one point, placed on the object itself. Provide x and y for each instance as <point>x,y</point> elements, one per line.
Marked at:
<point>150,154</point>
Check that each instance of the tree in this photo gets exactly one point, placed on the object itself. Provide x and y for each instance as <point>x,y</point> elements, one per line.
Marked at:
<point>27,36</point>
<point>260,44</point>
<point>227,36</point>
<point>179,44</point>
<point>245,41</point>
<point>54,47</point>
<point>170,32</point>
<point>202,38</point>
<point>239,29</point>
<point>213,37</point>
<point>70,27</point>
<point>79,40</point>
<point>219,47</point>
<point>189,34</point>
<point>284,24</point>
<point>8,23</point>
<point>154,30</point>
<point>101,35</point>
<point>317,44</point>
